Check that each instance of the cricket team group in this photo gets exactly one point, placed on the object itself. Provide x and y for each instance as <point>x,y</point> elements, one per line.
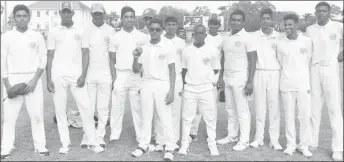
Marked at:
<point>173,83</point>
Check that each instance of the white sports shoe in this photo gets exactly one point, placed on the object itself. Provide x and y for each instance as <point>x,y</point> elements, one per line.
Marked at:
<point>183,150</point>
<point>256,143</point>
<point>159,148</point>
<point>213,150</point>
<point>276,146</point>
<point>337,156</point>
<point>5,153</point>
<point>138,152</point>
<point>240,146</point>
<point>289,150</point>
<point>96,148</point>
<point>227,140</point>
<point>168,156</point>
<point>304,151</point>
<point>65,149</point>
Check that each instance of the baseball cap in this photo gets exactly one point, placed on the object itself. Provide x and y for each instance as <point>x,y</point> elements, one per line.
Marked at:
<point>149,13</point>
<point>97,7</point>
<point>66,5</point>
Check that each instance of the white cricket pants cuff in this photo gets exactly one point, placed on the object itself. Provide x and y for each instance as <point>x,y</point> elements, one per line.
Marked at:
<point>34,106</point>
<point>325,83</point>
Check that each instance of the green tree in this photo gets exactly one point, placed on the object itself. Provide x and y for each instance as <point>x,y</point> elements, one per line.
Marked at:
<point>201,11</point>
<point>178,13</point>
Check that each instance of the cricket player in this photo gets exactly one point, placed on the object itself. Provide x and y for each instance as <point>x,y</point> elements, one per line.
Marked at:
<point>122,45</point>
<point>214,38</point>
<point>157,89</point>
<point>147,15</point>
<point>237,80</point>
<point>67,65</point>
<point>294,52</point>
<point>101,72</point>
<point>200,65</point>
<point>23,59</point>
<point>266,82</point>
<point>327,37</point>
<point>178,45</point>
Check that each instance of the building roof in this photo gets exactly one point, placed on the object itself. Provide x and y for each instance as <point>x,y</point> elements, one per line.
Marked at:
<point>54,5</point>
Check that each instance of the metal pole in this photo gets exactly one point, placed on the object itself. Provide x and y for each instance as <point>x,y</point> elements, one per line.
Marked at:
<point>227,17</point>
<point>5,10</point>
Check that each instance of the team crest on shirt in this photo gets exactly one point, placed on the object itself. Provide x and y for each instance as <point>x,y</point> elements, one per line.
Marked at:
<point>162,56</point>
<point>107,39</point>
<point>77,37</point>
<point>206,60</point>
<point>303,51</point>
<point>333,36</point>
<point>33,45</point>
<point>238,43</point>
<point>273,45</point>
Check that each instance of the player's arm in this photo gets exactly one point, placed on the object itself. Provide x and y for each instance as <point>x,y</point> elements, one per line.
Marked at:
<point>112,53</point>
<point>252,59</point>
<point>172,76</point>
<point>184,67</point>
<point>138,60</point>
<point>4,56</point>
<point>85,53</point>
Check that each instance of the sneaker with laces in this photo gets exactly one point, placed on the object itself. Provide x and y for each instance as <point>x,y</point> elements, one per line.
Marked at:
<point>256,143</point>
<point>44,152</point>
<point>159,148</point>
<point>96,148</point>
<point>65,149</point>
<point>102,142</point>
<point>5,153</point>
<point>213,150</point>
<point>227,140</point>
<point>138,152</point>
<point>240,146</point>
<point>304,151</point>
<point>276,146</point>
<point>183,150</point>
<point>168,156</point>
<point>337,156</point>
<point>289,150</point>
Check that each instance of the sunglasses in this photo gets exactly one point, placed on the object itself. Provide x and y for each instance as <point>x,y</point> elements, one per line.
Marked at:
<point>155,29</point>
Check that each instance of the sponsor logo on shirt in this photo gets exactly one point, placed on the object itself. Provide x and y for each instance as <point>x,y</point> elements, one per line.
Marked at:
<point>206,60</point>
<point>238,43</point>
<point>333,36</point>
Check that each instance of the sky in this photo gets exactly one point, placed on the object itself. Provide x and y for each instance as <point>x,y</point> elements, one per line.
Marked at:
<point>299,7</point>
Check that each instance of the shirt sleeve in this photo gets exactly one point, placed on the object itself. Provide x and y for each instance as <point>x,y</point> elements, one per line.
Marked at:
<point>85,39</point>
<point>42,52</point>
<point>51,41</point>
<point>250,45</point>
<point>113,43</point>
<point>4,54</point>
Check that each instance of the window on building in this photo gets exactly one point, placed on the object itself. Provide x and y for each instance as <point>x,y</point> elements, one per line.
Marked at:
<point>55,13</point>
<point>47,13</point>
<point>38,14</point>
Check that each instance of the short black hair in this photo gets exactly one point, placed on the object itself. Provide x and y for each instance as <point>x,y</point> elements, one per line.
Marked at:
<point>214,21</point>
<point>155,21</point>
<point>126,9</point>
<point>170,19</point>
<point>291,17</point>
<point>199,25</point>
<point>20,7</point>
<point>266,11</point>
<point>238,12</point>
<point>323,4</point>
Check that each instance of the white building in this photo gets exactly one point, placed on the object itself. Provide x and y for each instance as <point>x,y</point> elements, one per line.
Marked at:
<point>45,14</point>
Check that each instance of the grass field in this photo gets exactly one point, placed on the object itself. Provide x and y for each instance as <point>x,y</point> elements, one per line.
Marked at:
<point>120,151</point>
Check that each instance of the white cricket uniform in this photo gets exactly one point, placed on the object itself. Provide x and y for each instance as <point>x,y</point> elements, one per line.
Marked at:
<point>294,57</point>
<point>235,49</point>
<point>266,84</point>
<point>217,43</point>
<point>198,90</point>
<point>325,80</point>
<point>123,44</point>
<point>21,56</point>
<point>66,69</point>
<point>99,78</point>
<point>178,44</point>
<point>155,61</point>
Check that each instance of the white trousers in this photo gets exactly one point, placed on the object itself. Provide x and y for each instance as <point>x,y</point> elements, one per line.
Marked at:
<point>301,99</point>
<point>325,82</point>
<point>205,102</point>
<point>126,82</point>
<point>175,112</point>
<point>34,105</point>
<point>198,117</point>
<point>266,96</point>
<point>153,94</point>
<point>99,91</point>
<point>62,83</point>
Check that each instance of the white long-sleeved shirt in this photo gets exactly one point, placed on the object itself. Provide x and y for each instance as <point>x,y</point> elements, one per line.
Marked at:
<point>22,53</point>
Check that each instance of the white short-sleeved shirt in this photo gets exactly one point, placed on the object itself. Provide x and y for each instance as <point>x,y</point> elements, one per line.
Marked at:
<point>266,53</point>
<point>200,63</point>
<point>98,39</point>
<point>22,53</point>
<point>294,56</point>
<point>155,60</point>
<point>68,44</point>
<point>235,49</point>
<point>124,43</point>
<point>217,42</point>
<point>178,44</point>
<point>326,41</point>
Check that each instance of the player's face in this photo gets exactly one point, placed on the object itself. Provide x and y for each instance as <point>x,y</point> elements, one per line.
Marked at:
<point>181,33</point>
<point>199,34</point>
<point>213,27</point>
<point>66,16</point>
<point>98,18</point>
<point>171,27</point>
<point>155,31</point>
<point>265,20</point>
<point>128,20</point>
<point>147,19</point>
<point>21,19</point>
<point>237,22</point>
<point>290,26</point>
<point>322,13</point>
